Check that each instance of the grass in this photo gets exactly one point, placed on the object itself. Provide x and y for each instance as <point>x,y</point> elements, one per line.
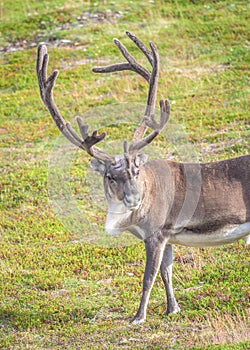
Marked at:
<point>59,290</point>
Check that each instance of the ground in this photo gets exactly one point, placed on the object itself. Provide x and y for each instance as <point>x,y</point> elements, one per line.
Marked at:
<point>62,286</point>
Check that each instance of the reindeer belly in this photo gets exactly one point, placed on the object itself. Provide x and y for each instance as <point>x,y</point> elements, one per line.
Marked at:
<point>227,234</point>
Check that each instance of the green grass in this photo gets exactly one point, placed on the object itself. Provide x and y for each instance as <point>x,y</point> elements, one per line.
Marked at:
<point>58,290</point>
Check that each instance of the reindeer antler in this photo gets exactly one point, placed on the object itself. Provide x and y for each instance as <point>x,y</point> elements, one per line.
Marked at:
<point>88,142</point>
<point>148,120</point>
<point>46,86</point>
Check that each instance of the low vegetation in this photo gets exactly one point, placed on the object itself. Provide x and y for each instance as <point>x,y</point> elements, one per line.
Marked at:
<point>62,285</point>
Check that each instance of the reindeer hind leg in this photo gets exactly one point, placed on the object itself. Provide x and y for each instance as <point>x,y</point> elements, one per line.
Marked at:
<point>166,274</point>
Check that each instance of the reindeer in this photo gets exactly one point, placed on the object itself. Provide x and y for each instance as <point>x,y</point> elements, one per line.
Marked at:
<point>160,201</point>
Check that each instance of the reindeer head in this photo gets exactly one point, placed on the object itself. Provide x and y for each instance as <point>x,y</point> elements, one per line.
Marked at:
<point>121,172</point>
<point>120,178</point>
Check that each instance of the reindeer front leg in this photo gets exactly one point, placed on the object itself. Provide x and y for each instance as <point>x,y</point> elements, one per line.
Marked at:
<point>155,245</point>
<point>166,274</point>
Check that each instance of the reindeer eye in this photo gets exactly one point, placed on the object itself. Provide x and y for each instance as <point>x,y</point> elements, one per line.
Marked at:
<point>136,172</point>
<point>111,179</point>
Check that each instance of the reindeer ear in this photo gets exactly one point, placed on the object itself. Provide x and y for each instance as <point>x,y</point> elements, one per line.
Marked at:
<point>140,159</point>
<point>97,166</point>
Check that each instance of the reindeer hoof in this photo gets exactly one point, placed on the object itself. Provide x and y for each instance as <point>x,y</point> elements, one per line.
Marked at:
<point>247,239</point>
<point>173,310</point>
<point>137,321</point>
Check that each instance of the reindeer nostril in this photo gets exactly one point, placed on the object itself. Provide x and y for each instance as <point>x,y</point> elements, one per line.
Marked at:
<point>132,202</point>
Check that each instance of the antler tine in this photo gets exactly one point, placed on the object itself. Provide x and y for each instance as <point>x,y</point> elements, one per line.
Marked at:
<point>157,127</point>
<point>153,81</point>
<point>141,46</point>
<point>46,86</point>
<point>131,63</point>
